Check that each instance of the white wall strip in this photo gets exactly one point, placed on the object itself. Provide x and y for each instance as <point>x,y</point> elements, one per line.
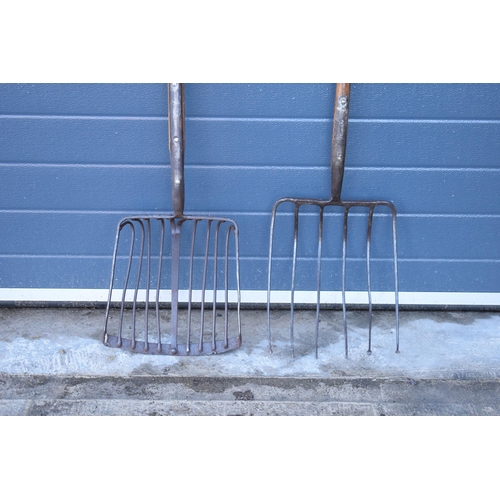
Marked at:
<point>61,295</point>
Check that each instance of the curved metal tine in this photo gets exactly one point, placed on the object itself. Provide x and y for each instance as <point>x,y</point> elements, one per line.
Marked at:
<point>396,281</point>
<point>127,276</point>
<point>370,311</point>
<point>269,266</point>
<point>294,273</point>
<point>113,266</point>
<point>137,283</point>
<point>318,280</point>
<point>214,299</point>
<point>226,289</point>
<point>238,288</point>
<point>190,291</point>
<point>203,287</point>
<point>344,263</point>
<point>148,273</point>
<point>158,283</point>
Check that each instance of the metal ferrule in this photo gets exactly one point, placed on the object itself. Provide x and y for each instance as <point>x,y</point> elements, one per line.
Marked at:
<point>176,144</point>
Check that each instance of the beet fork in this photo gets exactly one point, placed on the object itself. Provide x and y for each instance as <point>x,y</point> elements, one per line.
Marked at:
<point>162,237</point>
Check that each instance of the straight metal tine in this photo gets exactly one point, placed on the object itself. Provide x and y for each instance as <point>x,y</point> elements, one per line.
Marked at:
<point>190,292</point>
<point>214,303</point>
<point>396,281</point>
<point>344,263</point>
<point>158,283</point>
<point>294,272</point>
<point>226,290</point>
<point>318,280</point>
<point>238,288</point>
<point>176,253</point>
<point>203,287</point>
<point>269,265</point>
<point>129,266</point>
<point>368,276</point>
<point>137,284</point>
<point>148,272</point>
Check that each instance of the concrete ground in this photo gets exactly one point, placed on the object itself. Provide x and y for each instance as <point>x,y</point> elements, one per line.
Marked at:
<point>52,362</point>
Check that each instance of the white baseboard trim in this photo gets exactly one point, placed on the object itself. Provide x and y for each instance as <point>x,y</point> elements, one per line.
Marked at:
<point>91,295</point>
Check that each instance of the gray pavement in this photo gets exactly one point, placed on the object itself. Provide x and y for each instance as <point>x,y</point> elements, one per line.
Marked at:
<point>52,362</point>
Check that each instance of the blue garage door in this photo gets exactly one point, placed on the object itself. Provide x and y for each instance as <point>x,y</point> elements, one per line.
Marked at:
<point>75,159</point>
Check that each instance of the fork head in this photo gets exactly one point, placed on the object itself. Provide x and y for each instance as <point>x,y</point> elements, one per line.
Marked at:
<point>313,212</point>
<point>175,282</point>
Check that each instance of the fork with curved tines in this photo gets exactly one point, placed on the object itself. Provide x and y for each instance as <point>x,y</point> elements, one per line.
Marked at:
<point>154,239</point>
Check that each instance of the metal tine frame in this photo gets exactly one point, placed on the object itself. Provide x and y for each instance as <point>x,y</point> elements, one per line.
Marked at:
<point>337,170</point>
<point>215,345</point>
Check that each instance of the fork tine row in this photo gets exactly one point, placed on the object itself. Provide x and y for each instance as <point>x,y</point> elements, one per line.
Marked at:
<point>346,206</point>
<point>139,265</point>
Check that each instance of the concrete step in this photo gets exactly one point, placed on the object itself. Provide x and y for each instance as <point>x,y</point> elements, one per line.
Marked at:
<point>280,396</point>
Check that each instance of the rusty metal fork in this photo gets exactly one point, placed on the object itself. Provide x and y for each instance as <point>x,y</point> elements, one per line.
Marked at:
<point>339,141</point>
<point>168,231</point>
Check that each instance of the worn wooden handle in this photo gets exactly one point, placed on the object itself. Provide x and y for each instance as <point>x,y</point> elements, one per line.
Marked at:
<point>339,137</point>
